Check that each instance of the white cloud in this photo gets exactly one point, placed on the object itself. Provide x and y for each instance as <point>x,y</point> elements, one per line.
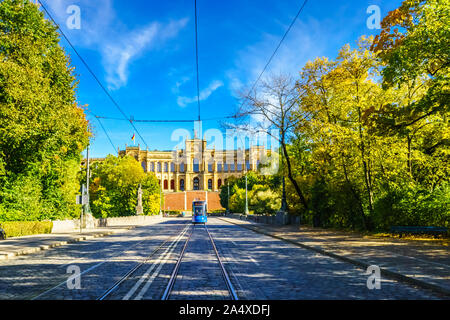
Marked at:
<point>103,32</point>
<point>304,42</point>
<point>118,54</point>
<point>204,94</point>
<point>179,83</point>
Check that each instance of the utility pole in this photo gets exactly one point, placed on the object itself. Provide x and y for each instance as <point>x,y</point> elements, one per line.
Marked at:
<point>87,216</point>
<point>85,194</point>
<point>87,177</point>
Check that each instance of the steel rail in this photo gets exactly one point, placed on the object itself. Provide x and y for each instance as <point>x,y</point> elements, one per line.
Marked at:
<point>230,287</point>
<point>135,268</point>
<point>90,269</point>
<point>174,274</point>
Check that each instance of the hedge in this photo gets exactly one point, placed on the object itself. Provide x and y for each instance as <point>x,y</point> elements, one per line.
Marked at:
<point>25,228</point>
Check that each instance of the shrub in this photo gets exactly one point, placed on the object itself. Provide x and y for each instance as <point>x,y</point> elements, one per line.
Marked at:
<point>264,201</point>
<point>25,228</point>
<point>413,206</point>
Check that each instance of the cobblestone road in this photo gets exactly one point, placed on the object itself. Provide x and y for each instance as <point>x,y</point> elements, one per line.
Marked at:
<point>260,267</point>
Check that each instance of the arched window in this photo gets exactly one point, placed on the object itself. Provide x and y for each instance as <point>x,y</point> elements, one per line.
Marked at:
<point>219,183</point>
<point>210,186</point>
<point>196,184</point>
<point>166,184</point>
<point>182,184</point>
<point>172,184</point>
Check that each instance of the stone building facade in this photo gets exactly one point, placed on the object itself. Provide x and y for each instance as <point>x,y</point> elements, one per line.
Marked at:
<point>196,167</point>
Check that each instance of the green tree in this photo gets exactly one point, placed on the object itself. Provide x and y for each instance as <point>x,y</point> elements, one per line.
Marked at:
<point>42,129</point>
<point>413,44</point>
<point>114,187</point>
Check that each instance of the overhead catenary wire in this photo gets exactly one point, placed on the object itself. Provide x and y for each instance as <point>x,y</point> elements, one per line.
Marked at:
<point>92,73</point>
<point>196,57</point>
<point>278,46</point>
<point>197,70</point>
<point>274,53</point>
<point>161,120</point>
<point>104,129</point>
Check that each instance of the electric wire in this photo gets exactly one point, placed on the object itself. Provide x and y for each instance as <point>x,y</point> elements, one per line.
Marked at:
<point>93,74</point>
<point>196,58</point>
<point>279,45</point>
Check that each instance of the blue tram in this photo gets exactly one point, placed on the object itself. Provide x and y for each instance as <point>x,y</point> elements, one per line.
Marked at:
<point>199,212</point>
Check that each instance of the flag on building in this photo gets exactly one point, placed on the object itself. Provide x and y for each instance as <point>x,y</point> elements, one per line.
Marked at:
<point>133,137</point>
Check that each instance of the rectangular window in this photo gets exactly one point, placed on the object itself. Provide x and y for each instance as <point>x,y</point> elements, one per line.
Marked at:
<point>219,167</point>
<point>196,166</point>
<point>210,167</point>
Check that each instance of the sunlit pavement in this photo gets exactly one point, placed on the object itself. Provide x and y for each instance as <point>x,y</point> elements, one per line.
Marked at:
<point>260,267</point>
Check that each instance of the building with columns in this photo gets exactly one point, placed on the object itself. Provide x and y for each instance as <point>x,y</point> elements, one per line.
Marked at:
<point>196,167</point>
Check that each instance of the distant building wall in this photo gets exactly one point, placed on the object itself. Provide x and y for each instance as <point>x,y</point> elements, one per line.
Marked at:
<point>178,200</point>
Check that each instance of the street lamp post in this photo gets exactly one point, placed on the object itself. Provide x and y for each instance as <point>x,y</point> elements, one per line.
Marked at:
<point>160,199</point>
<point>228,197</point>
<point>246,196</point>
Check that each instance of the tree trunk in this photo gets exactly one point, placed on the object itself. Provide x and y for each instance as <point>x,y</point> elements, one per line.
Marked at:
<point>355,194</point>
<point>291,177</point>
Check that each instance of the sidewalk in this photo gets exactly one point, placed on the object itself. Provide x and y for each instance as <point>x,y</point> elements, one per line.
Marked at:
<point>422,263</point>
<point>17,246</point>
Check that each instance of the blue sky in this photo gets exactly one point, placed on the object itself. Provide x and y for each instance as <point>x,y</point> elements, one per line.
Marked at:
<point>144,53</point>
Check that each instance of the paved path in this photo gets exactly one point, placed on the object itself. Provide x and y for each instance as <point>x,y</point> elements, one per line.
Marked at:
<point>424,263</point>
<point>260,267</point>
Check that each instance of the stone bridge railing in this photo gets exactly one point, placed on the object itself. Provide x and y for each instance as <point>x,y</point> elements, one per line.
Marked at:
<point>279,218</point>
<point>72,225</point>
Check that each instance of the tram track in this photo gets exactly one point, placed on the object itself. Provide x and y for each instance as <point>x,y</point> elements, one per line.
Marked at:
<point>113,258</point>
<point>132,271</point>
<point>168,291</point>
<point>159,279</point>
<point>160,276</point>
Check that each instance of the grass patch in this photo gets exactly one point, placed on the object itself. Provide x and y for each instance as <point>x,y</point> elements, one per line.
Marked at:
<point>26,228</point>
